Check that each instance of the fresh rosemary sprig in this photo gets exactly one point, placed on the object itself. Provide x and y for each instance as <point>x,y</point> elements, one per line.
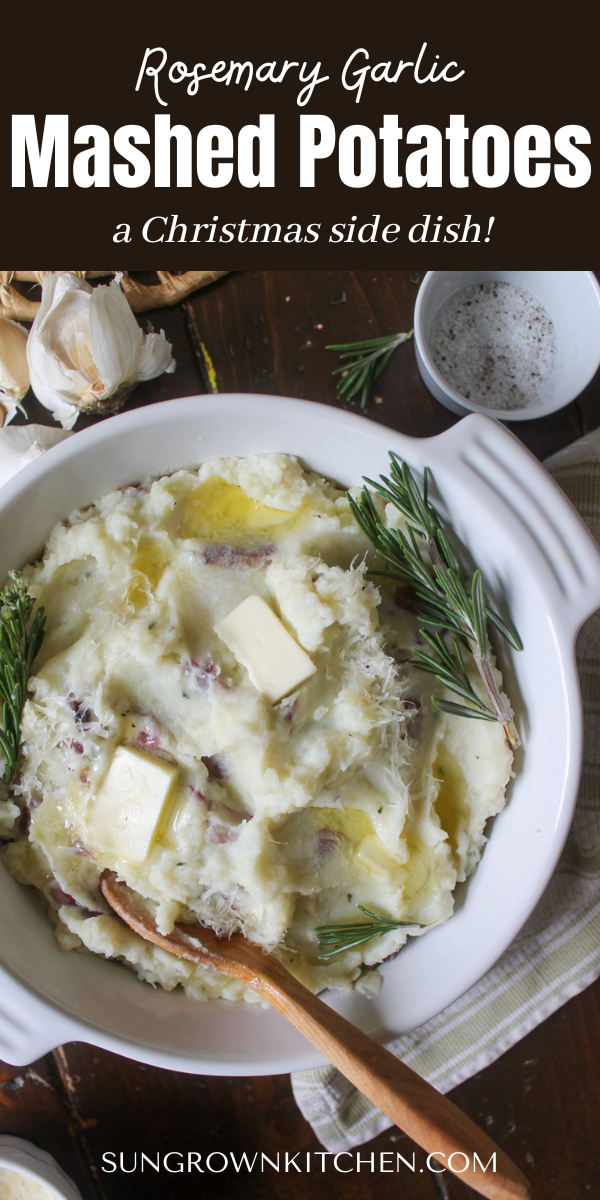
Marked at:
<point>367,360</point>
<point>20,643</point>
<point>346,936</point>
<point>424,562</point>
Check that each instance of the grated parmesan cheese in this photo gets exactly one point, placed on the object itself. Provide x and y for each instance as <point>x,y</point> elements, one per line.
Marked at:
<point>15,1186</point>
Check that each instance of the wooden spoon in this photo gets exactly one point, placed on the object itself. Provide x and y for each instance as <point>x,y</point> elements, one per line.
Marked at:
<point>424,1114</point>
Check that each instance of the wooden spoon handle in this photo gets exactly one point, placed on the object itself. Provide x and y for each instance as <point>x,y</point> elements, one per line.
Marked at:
<point>436,1124</point>
<point>428,1117</point>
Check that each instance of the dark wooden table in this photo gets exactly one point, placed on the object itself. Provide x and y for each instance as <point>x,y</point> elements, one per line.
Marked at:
<point>267,332</point>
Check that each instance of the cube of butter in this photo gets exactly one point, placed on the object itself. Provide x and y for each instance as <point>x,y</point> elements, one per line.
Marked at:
<point>373,855</point>
<point>274,661</point>
<point>125,816</point>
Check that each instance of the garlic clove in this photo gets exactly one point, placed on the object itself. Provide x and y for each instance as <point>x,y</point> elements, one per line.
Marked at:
<point>22,444</point>
<point>60,325</point>
<point>86,350</point>
<point>116,336</point>
<point>14,370</point>
<point>123,353</point>
<point>155,357</point>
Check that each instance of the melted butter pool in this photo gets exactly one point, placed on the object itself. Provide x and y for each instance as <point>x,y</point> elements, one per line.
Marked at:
<point>220,509</point>
<point>450,805</point>
<point>415,873</point>
<point>151,560</point>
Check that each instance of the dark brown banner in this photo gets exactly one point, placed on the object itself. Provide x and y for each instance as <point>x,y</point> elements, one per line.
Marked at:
<point>397,139</point>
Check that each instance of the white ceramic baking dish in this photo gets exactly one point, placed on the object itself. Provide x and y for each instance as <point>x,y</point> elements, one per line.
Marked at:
<point>540,564</point>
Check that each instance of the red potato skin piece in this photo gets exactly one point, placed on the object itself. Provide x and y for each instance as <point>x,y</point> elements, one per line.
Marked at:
<point>79,848</point>
<point>221,555</point>
<point>149,738</point>
<point>215,766</point>
<point>217,833</point>
<point>206,673</point>
<point>220,834</point>
<point>327,843</point>
<point>61,897</point>
<point>288,708</point>
<point>131,491</point>
<point>30,803</point>
<point>84,716</point>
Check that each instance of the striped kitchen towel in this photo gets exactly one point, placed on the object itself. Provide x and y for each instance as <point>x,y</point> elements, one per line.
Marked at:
<point>557,953</point>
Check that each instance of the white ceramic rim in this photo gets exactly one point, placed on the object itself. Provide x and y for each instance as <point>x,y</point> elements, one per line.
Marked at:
<point>477,453</point>
<point>455,401</point>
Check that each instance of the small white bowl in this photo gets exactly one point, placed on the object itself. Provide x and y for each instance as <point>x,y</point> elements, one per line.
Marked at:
<point>571,300</point>
<point>35,1164</point>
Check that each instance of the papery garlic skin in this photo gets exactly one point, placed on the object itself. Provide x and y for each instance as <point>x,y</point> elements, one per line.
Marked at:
<point>24,443</point>
<point>86,350</point>
<point>14,369</point>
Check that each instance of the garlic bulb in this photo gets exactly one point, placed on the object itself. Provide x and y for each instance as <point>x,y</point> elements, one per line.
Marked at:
<point>14,371</point>
<point>22,444</point>
<point>86,350</point>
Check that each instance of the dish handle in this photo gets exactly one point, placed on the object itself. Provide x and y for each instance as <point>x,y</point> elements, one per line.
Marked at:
<point>29,1027</point>
<point>557,542</point>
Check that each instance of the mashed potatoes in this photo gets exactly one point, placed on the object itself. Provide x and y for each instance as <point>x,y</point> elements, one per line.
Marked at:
<point>273,816</point>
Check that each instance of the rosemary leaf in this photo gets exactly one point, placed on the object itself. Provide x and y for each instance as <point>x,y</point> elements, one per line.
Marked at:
<point>507,631</point>
<point>478,602</point>
<point>363,362</point>
<point>337,938</point>
<point>460,710</point>
<point>20,643</point>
